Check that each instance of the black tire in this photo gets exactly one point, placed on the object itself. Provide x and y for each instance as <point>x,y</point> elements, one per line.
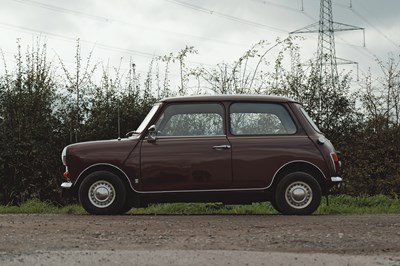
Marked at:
<point>128,203</point>
<point>102,193</point>
<point>273,203</point>
<point>297,193</point>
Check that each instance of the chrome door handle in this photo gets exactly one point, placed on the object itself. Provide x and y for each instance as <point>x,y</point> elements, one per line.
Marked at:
<point>221,147</point>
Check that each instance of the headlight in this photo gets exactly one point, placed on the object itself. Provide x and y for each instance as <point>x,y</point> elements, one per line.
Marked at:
<point>64,156</point>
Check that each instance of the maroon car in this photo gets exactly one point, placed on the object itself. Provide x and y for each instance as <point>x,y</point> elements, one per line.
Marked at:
<point>231,149</point>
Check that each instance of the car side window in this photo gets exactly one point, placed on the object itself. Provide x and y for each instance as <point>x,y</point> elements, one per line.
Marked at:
<point>191,120</point>
<point>260,119</point>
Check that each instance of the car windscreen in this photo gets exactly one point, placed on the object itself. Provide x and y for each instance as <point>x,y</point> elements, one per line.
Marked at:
<point>147,119</point>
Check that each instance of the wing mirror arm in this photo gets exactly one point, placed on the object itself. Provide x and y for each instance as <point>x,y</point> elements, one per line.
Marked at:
<point>152,133</point>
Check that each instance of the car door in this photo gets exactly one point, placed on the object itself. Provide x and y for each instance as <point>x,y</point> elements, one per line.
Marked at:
<point>190,150</point>
<point>263,138</point>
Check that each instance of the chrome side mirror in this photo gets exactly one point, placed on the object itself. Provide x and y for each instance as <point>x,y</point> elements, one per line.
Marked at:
<point>152,133</point>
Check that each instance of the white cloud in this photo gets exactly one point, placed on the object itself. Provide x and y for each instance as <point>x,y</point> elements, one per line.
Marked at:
<point>157,27</point>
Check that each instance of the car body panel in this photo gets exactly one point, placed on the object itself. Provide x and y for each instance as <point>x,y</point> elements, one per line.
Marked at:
<point>185,164</point>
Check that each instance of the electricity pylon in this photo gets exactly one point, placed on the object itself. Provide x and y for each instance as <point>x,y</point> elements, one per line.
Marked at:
<point>326,62</point>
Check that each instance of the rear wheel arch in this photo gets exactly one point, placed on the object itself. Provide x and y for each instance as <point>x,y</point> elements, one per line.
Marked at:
<point>301,166</point>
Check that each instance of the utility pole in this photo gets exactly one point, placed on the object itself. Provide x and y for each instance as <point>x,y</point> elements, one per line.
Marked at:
<point>326,62</point>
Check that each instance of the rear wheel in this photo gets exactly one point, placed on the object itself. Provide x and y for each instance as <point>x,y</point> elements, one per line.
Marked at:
<point>102,192</point>
<point>273,203</point>
<point>297,193</point>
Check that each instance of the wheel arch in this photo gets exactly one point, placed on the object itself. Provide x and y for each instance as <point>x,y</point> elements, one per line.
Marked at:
<point>301,166</point>
<point>105,167</point>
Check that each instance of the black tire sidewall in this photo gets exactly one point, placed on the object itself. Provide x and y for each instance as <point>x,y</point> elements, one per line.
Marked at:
<point>280,199</point>
<point>120,193</point>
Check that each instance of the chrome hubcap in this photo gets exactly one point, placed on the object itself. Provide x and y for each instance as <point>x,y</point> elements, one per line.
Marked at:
<point>101,194</point>
<point>298,195</point>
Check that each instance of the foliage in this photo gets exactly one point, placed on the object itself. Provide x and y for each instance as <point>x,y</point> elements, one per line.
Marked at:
<point>28,135</point>
<point>40,117</point>
<point>41,112</point>
<point>371,155</point>
<point>239,77</point>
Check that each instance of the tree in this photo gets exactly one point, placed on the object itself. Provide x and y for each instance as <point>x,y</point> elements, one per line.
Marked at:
<point>75,100</point>
<point>383,100</point>
<point>244,76</point>
<point>28,136</point>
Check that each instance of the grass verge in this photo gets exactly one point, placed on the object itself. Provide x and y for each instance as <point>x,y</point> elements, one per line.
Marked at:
<point>341,204</point>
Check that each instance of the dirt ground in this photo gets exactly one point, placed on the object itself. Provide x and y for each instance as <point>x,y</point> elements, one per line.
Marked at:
<point>370,236</point>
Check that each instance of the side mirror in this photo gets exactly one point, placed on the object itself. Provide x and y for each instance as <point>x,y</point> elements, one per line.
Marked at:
<point>152,134</point>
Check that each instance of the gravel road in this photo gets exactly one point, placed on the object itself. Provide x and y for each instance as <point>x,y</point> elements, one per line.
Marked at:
<point>199,240</point>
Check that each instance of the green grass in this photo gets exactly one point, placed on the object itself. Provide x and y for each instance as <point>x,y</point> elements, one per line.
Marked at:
<point>36,206</point>
<point>341,204</point>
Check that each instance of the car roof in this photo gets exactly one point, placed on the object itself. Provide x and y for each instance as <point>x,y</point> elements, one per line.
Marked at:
<point>228,98</point>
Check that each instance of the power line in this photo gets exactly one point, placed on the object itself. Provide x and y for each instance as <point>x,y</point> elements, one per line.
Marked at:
<point>277,5</point>
<point>59,36</point>
<point>375,28</point>
<point>226,16</point>
<point>63,10</point>
<point>103,19</point>
<point>95,44</point>
<point>285,7</point>
<point>360,49</point>
<point>71,39</point>
<point>351,7</point>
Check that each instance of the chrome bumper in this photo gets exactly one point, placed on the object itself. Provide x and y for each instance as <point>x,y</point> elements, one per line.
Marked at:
<point>66,185</point>
<point>336,179</point>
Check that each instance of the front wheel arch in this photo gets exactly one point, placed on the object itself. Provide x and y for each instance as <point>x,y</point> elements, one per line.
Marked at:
<point>104,167</point>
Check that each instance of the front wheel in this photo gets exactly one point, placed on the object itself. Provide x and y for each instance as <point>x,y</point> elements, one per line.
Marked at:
<point>297,193</point>
<point>102,192</point>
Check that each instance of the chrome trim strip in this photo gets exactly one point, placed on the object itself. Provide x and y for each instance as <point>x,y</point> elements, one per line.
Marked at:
<point>295,161</point>
<point>235,189</point>
<point>200,190</point>
<point>191,137</point>
<point>106,164</point>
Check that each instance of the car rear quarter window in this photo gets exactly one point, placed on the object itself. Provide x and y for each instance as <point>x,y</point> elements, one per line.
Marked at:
<point>309,119</point>
<point>260,119</point>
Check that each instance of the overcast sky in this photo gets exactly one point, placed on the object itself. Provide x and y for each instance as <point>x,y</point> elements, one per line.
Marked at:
<point>221,30</point>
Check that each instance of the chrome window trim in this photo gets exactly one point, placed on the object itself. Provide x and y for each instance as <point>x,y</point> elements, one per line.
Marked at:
<point>262,135</point>
<point>191,137</point>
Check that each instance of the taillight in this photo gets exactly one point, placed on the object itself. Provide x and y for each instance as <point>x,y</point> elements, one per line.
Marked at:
<point>335,161</point>
<point>65,174</point>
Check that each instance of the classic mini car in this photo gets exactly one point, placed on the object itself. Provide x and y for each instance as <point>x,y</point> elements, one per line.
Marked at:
<point>231,149</point>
